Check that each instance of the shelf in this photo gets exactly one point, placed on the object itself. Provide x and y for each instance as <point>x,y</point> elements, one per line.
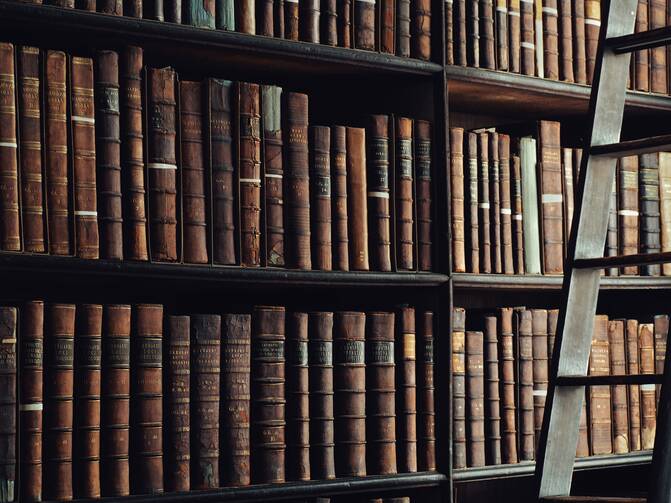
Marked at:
<point>526,469</point>
<point>503,282</point>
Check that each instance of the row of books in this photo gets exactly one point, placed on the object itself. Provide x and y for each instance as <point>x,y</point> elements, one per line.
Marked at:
<point>118,399</point>
<point>513,199</point>
<point>500,381</point>
<point>214,172</point>
<point>401,27</point>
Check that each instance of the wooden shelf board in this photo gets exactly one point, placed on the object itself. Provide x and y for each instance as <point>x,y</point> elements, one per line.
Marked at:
<point>503,282</point>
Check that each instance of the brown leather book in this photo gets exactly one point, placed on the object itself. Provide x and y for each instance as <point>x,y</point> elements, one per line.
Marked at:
<point>403,28</point>
<point>245,17</point>
<point>553,319</point>
<point>89,5</point>
<point>8,334</point>
<point>568,190</point>
<point>487,42</point>
<point>132,8</point>
<point>234,469</point>
<point>592,27</point>
<point>69,4</point>
<point>291,19</point>
<point>599,406</point>
<point>56,146</point>
<point>162,164</point>
<point>177,392</point>
<point>404,197</point>
<point>309,21</point>
<point>426,409</point>
<point>58,397</point>
<point>527,44</point>
<point>377,180</point>
<point>221,159</point>
<point>619,392</point>
<point>484,207</point>
<point>611,235</point>
<point>551,39</point>
<point>113,7</point>
<point>320,383</point>
<point>471,204</point>
<point>457,199</point>
<point>492,392</point>
<point>339,219</point>
<point>132,156</point>
<point>278,6</point>
<point>406,384</point>
<point>475,399</point>
<point>265,22</point>
<point>194,226</point>
<point>84,158</point>
<point>147,399</point>
<point>356,199</point>
<point>31,399</point>
<point>87,363</point>
<point>582,449</point>
<point>501,35</point>
<point>522,323</point>
<point>420,32</point>
<point>206,372</point>
<point>344,11</point>
<point>579,56</point>
<point>268,395</point>
<point>153,9</point>
<point>108,156</point>
<point>298,394</point>
<point>633,390</point>
<point>320,197</point>
<point>364,25</point>
<point>539,327</point>
<point>518,227</point>
<point>664,205</point>
<point>661,327</point>
<point>249,141</point>
<point>423,189</point>
<point>628,208</point>
<point>387,30</point>
<point>115,406</point>
<point>459,458</point>
<point>649,219</point>
<point>380,394</point>
<point>514,36</point>
<point>565,41</point>
<point>10,238</point>
<point>495,202</point>
<point>271,110</point>
<point>349,380</point>
<point>505,205</point>
<point>550,182</point>
<point>329,22</point>
<point>658,70</point>
<point>507,385</point>
<point>646,349</point>
<point>642,58</point>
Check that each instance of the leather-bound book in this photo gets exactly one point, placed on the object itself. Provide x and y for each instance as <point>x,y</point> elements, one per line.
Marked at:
<point>592,28</point>
<point>405,218</point>
<point>194,226</point>
<point>8,334</point>
<point>522,322</point>
<point>566,40</point>
<point>58,396</point>
<point>501,36</point>
<point>539,327</point>
<point>661,327</point>
<point>380,394</point>
<point>349,380</point>
<point>582,449</point>
<point>309,21</point>
<point>173,11</point>
<point>265,22</point>
<point>291,19</point>
<point>457,199</point>
<point>664,206</point>
<point>221,159</point>
<point>484,204</point>
<point>387,29</point>
<point>517,224</point>
<point>298,395</point>
<point>268,395</point>
<point>147,399</point>
<point>113,7</point>
<point>642,58</point>
<point>56,146</point>
<point>406,384</point>
<point>649,210</point>
<point>611,236</point>
<point>459,30</point>
<point>153,9</point>
<point>507,385</point>
<point>206,372</point>
<point>200,13</point>
<point>88,364</point>
<point>31,399</point>
<point>162,165</point>
<point>492,392</point>
<point>320,197</point>
<point>527,44</point>
<point>225,14</point>
<point>377,180</point>
<point>320,383</point>
<point>403,28</point>
<point>530,210</point>
<point>115,398</point>
<point>234,444</point>
<point>132,156</point>
<point>579,56</point>
<point>344,12</point>
<point>550,182</point>
<point>339,219</point>
<point>70,4</point>
<point>494,202</point>
<point>297,180</point>
<point>420,33</point>
<point>328,22</point>
<point>132,8</point>
<point>89,5</point>
<point>364,25</point>
<point>539,36</point>
<point>356,199</point>
<point>628,209</point>
<point>426,400</point>
<point>471,204</point>
<point>568,190</point>
<point>84,158</point>
<point>633,390</point>
<point>177,393</point>
<point>449,32</point>
<point>271,109</point>
<point>505,205</point>
<point>658,69</point>
<point>475,399</point>
<point>459,458</point>
<point>619,393</point>
<point>423,189</point>
<point>551,39</point>
<point>646,349</point>
<point>514,35</point>
<point>108,156</point>
<point>599,406</point>
<point>30,115</point>
<point>249,138</point>
<point>487,42</point>
<point>553,319</point>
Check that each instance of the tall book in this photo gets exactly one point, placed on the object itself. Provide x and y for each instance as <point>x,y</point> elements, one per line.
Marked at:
<point>628,209</point>
<point>514,36</point>
<point>271,110</point>
<point>649,209</point>
<point>501,37</point>
<point>579,48</point>
<point>8,336</point>
<point>517,216</point>
<point>566,41</point>
<point>471,205</point>
<point>642,58</point>
<point>377,182</point>
<point>457,199</point>
<point>550,181</point>
<point>646,349</point>
<point>153,9</point>
<point>298,394</point>
<point>661,328</point>
<point>472,33</point>
<point>484,204</point>
<point>329,23</point>
<point>10,238</point>
<point>633,390</point>
<point>309,21</point>
<point>611,235</point>
<point>665,206</point>
<point>583,447</point>
<point>495,202</point>
<point>618,366</point>
<point>426,406</point>
<point>459,458</point>
<point>592,28</point>
<point>539,327</point>
<point>291,18</point>
<point>356,199</point>
<point>320,197</point>
<point>406,384</point>
<point>568,191</point>
<point>449,33</point>
<point>420,32</point>
<point>173,11</point>
<point>339,220</point>
<point>265,22</point>
<point>658,70</point>
<point>522,322</point>
<point>460,34</point>
<point>507,372</point>
<point>599,405</point>
<point>475,399</point>
<point>245,17</point>
<point>404,195</point>
<point>492,393</point>
<point>528,43</point>
<point>364,25</point>
<point>550,15</point>
<point>344,14</point>
<point>506,205</point>
<point>539,38</point>
<point>530,213</point>
<point>486,42</point>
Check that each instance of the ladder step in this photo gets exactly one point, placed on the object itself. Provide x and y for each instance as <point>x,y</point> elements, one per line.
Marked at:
<point>642,40</point>
<point>591,499</point>
<point>622,260</point>
<point>633,147</point>
<point>610,380</point>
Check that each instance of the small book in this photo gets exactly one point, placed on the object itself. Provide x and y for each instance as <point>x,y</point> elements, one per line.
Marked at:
<point>633,390</point>
<point>475,399</point>
<point>173,11</point>
<point>522,325</point>
<point>320,197</point>
<point>8,385</point>
<point>457,199</point>
<point>404,195</point>
<point>539,38</point>
<point>649,210</point>
<point>484,204</point>
<point>423,189</point>
<point>492,392</point>
<point>530,213</point>
<point>291,19</point>
<point>628,201</point>
<point>505,205</point>
<point>471,205</point>
<point>495,202</point>
<point>420,29</point>
<point>487,43</point>
<point>646,349</point>
<point>539,328</point>
<point>459,458</point>
<point>356,199</point>
<point>473,33</point>
<point>579,54</point>
<point>225,15</point>
<point>592,28</point>
<point>344,13</point>
<point>550,15</point>
<point>265,22</point>
<point>599,407</point>
<point>329,23</point>
<point>377,182</point>
<point>507,385</point>
<point>618,393</point>
<point>298,397</point>
<point>364,25</point>
<point>515,36</point>
<point>528,39</point>
<point>406,384</point>
<point>339,221</point>
<point>245,17</point>
<point>550,195</point>
<point>309,20</point>
<point>566,41</point>
<point>426,411</point>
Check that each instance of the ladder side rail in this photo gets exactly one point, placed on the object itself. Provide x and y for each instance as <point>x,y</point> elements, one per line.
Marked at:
<point>660,481</point>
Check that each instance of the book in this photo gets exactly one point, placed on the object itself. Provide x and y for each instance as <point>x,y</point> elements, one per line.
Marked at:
<point>10,237</point>
<point>501,26</point>
<point>449,32</point>
<point>646,349</point>
<point>495,202</point>
<point>487,43</point>
<point>633,390</point>
<point>566,41</point>
<point>553,320</point>
<point>320,197</point>
<point>611,235</point>
<point>8,386</point>
<point>200,13</point>
<point>582,449</point>
<point>112,7</point>
<point>291,18</point>
<point>406,384</point>
<point>457,199</point>
<point>530,213</point>
<point>550,184</point>
<point>661,332</point>
<point>506,205</point>
<point>579,47</point>
<point>265,22</point>
<point>309,21</point>
<point>642,58</point>
<point>568,191</point>
<point>599,405</point>
<point>152,9</point>
<point>471,204</point>
<point>522,325</point>
<point>620,411</point>
<point>339,221</point>
<point>550,18</point>
<point>517,216</point>
<point>420,32</point>
<point>423,194</point>
<point>507,385</point>
<point>528,39</point>
<point>173,11</point>
<point>657,11</point>
<point>356,199</point>
<point>364,25</point>
<point>298,395</point>
<point>665,207</point>
<point>404,195</point>
<point>539,38</point>
<point>377,182</point>
<point>492,393</point>
<point>329,23</point>
<point>426,411</point>
<point>225,15</point>
<point>648,179</point>
<point>628,209</point>
<point>539,327</point>
<point>459,458</point>
<point>484,204</point>
<point>592,28</point>
<point>475,406</point>
<point>460,34</point>
<point>271,110</point>
<point>472,33</point>
<point>132,8</point>
<point>386,32</point>
<point>344,13</point>
<point>245,17</point>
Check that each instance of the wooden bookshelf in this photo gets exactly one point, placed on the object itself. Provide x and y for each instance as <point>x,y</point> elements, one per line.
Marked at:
<point>505,283</point>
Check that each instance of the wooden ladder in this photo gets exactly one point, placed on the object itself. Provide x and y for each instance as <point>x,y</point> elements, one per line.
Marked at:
<point>568,372</point>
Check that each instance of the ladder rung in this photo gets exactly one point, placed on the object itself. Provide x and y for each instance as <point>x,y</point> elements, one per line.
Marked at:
<point>592,499</point>
<point>633,147</point>
<point>622,260</point>
<point>591,380</point>
<point>642,40</point>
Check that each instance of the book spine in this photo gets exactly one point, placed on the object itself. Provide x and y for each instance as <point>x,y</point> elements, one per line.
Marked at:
<point>649,209</point>
<point>132,156</point>
<point>665,206</point>
<point>380,394</point>
<point>153,9</point>
<point>550,173</point>
<point>309,21</point>
<point>387,14</point>
<point>173,11</point>
<point>320,195</point>
<point>487,44</point>
<point>495,202</point>
<point>177,386</point>
<point>472,203</point>
<point>568,190</point>
<point>249,140</point>
<point>423,189</point>
<point>349,378</point>
<point>279,25</point>
<point>506,206</point>
<point>245,17</point>
<point>553,318</point>
<point>147,396</point>
<point>582,449</point>
<point>264,18</point>
<point>459,458</point>
<point>618,393</point>
<point>356,199</point>
<point>405,218</point>
<point>426,402</point>
<point>225,15</point>
<point>223,172</point>
<point>115,400</point>
<point>345,22</point>
<point>532,251</point>
<point>8,388</point>
<point>132,8</point>
<point>501,22</point>
<point>599,406</point>
<point>484,207</point>
<point>31,399</point>
<point>320,382</point>
<point>10,238</point>
<point>527,44</point>
<point>406,384</point>
<point>457,199</point>
<point>162,165</point>
<point>658,76</point>
<point>460,34</point>
<point>592,27</point>
<point>611,236</point>
<point>403,28</point>
<point>642,58</point>
<point>526,385</point>
<point>268,395</point>
<point>339,198</point>
<point>507,386</point>
<point>291,19</point>
<point>633,391</point>
<point>539,327</point>
<point>200,13</point>
<point>420,35</point>
<point>364,25</point>
<point>298,395</point>
<point>377,180</point>
<point>194,226</point>
<point>566,41</point>
<point>59,391</point>
<point>628,209</point>
<point>579,55</point>
<point>661,327</point>
<point>108,147</point>
<point>514,36</point>
<point>475,399</point>
<point>646,348</point>
<point>539,36</point>
<point>235,400</point>
<point>518,226</point>
<point>551,39</point>
<point>328,22</point>
<point>112,7</point>
<point>492,393</point>
<point>271,108</point>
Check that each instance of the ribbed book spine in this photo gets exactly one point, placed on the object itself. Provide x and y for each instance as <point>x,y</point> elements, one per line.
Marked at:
<point>665,206</point>
<point>420,36</point>
<point>539,327</point>
<point>505,205</point>
<point>264,18</point>
<point>339,219</point>
<point>200,13</point>
<point>459,458</point>
<point>377,181</point>
<point>599,405</point>
<point>471,205</point>
<point>517,216</point>
<point>364,25</point>
<point>526,384</point>
<point>515,35</point>
<point>649,210</point>
<point>309,21</point>
<point>658,69</point>
<point>405,174</point>
<point>329,22</point>
<point>530,210</point>
<point>487,42</point>
<point>423,189</point>
<point>457,199</point>
<point>501,36</point>
<point>357,211</point>
<point>661,327</point>
<point>225,15</point>
<point>475,399</point>
<point>406,384</point>
<point>619,392</point>
<point>291,17</point>
<point>492,393</point>
<point>628,202</point>
<point>642,58</point>
<point>320,197</point>
<point>527,44</point>
<point>10,238</point>
<point>633,391</point>
<point>8,337</point>
<point>566,41</point>
<point>611,236</point>
<point>245,17</point>
<point>646,348</point>
<point>592,28</point>
<point>484,203</point>
<point>495,202</point>
<point>426,400</point>
<point>551,39</point>
<point>386,32</point>
<point>579,55</point>
<point>297,390</point>
<point>508,386</point>
<point>550,178</point>
<point>403,28</point>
